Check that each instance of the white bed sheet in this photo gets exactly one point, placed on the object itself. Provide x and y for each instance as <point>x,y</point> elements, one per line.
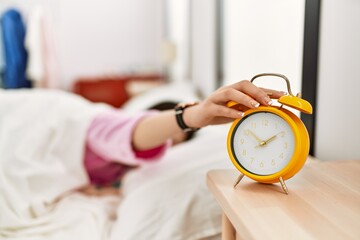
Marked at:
<point>169,199</point>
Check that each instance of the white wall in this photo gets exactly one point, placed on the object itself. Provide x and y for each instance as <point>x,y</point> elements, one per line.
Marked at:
<point>24,6</point>
<point>103,36</point>
<point>177,36</point>
<point>191,27</point>
<point>264,36</point>
<point>338,109</point>
<point>203,45</point>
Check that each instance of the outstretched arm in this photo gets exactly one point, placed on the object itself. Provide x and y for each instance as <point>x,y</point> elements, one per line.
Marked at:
<point>155,130</point>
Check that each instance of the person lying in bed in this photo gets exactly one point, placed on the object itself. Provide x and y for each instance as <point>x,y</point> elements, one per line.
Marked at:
<point>112,188</point>
<point>116,141</point>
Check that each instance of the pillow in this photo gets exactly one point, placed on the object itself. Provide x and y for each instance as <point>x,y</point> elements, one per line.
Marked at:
<point>176,92</point>
<point>169,199</point>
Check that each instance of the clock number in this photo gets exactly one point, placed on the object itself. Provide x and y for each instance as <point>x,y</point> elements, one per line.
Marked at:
<point>265,122</point>
<point>282,134</point>
<point>281,155</point>
<point>273,162</point>
<point>242,141</point>
<point>252,160</point>
<point>246,132</point>
<point>253,125</point>
<point>261,164</point>
<point>244,152</point>
<point>285,145</point>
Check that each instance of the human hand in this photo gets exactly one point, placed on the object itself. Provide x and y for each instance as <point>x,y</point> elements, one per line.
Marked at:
<point>213,109</point>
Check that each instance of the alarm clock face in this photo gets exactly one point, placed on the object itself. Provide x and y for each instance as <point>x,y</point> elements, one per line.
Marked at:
<point>262,143</point>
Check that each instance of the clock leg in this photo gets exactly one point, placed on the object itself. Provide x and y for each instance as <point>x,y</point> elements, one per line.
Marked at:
<point>283,185</point>
<point>238,180</point>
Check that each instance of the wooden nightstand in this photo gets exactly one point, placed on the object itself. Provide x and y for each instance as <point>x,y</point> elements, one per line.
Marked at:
<point>323,203</point>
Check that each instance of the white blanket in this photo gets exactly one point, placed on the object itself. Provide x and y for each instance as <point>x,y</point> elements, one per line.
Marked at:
<point>41,153</point>
<point>41,157</point>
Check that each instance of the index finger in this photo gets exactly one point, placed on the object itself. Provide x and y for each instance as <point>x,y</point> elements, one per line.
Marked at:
<point>253,91</point>
<point>273,93</point>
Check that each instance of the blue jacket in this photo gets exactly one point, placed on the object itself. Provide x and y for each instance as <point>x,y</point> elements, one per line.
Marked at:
<point>15,54</point>
<point>2,57</point>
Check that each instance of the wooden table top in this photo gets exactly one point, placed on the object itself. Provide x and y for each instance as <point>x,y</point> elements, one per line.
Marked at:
<point>323,202</point>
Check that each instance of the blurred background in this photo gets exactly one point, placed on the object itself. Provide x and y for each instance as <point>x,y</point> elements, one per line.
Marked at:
<point>114,50</point>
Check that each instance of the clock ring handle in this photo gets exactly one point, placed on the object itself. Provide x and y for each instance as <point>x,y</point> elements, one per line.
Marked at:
<point>276,75</point>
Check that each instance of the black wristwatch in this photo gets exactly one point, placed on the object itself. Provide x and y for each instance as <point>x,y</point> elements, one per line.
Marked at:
<point>179,110</point>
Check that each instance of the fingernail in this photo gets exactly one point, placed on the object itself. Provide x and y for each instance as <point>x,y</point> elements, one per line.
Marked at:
<point>268,100</point>
<point>284,93</point>
<point>255,104</point>
<point>241,114</point>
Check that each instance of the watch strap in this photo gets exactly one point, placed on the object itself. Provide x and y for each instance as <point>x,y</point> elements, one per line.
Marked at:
<point>179,111</point>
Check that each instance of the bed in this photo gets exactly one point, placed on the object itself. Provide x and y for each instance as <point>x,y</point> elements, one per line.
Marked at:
<point>167,199</point>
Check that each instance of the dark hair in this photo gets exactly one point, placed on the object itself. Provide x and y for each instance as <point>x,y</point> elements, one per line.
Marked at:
<point>166,105</point>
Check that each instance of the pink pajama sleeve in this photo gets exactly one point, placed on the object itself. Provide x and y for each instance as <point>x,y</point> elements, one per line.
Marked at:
<point>109,152</point>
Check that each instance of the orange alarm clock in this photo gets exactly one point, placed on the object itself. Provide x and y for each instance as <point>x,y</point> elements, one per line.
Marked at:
<point>270,144</point>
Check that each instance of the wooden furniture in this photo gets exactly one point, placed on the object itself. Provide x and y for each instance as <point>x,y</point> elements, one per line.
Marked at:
<point>323,203</point>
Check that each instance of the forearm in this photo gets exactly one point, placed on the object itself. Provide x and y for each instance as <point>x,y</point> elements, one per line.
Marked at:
<point>155,130</point>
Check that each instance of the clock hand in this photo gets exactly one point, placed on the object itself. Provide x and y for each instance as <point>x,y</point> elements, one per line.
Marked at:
<point>256,137</point>
<point>263,143</point>
<point>270,139</point>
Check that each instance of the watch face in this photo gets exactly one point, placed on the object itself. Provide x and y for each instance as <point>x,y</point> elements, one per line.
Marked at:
<point>262,143</point>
